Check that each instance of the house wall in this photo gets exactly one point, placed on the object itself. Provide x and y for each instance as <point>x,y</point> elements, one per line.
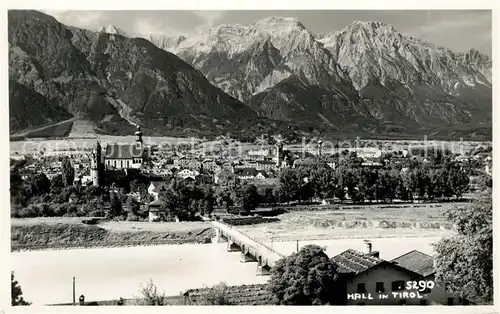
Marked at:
<point>124,163</point>
<point>383,273</point>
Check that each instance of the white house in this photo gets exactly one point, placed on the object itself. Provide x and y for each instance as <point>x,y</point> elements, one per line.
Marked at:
<point>153,188</point>
<point>188,173</point>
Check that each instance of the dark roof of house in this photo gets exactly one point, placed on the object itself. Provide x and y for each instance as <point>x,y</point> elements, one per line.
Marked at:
<point>245,171</point>
<point>417,262</point>
<point>225,173</point>
<point>265,162</point>
<point>352,261</point>
<point>116,151</point>
<point>266,182</point>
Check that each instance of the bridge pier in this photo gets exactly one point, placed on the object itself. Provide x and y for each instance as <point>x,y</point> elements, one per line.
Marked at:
<point>262,268</point>
<point>219,237</point>
<point>246,257</point>
<point>233,247</point>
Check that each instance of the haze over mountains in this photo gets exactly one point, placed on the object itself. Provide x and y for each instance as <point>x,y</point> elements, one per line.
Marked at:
<point>364,78</point>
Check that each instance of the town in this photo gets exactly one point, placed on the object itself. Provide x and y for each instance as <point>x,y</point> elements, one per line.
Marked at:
<point>144,183</point>
<point>273,173</point>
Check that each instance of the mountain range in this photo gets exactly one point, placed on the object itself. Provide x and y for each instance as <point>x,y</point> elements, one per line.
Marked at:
<point>365,78</point>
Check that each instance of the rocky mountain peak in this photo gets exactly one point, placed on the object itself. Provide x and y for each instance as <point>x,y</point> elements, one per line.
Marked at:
<point>278,21</point>
<point>112,29</point>
<point>227,30</point>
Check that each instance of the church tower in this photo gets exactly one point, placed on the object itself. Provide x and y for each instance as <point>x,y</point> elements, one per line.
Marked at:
<point>279,153</point>
<point>95,164</point>
<point>320,147</point>
<point>138,135</point>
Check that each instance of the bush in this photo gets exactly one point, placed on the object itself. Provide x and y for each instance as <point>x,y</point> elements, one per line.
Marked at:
<point>217,295</point>
<point>151,295</point>
<point>132,217</point>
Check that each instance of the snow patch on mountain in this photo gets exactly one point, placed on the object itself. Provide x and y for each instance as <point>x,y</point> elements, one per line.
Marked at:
<point>112,29</point>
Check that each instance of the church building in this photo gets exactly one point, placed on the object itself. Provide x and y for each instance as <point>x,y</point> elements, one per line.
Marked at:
<point>128,156</point>
<point>117,157</point>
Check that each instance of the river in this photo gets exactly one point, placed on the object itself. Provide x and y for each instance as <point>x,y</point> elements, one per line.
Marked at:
<point>110,273</point>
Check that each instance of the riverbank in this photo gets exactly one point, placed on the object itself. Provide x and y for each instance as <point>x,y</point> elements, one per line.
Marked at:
<point>111,273</point>
<point>71,233</point>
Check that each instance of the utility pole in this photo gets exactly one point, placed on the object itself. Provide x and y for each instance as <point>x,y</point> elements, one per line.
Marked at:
<point>74,300</point>
<point>297,245</point>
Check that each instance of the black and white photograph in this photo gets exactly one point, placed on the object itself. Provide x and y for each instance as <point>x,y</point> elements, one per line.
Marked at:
<point>250,157</point>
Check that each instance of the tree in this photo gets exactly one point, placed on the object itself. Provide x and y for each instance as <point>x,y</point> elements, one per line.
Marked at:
<point>151,295</point>
<point>133,206</point>
<point>39,184</point>
<point>16,292</point>
<point>57,182</point>
<point>307,277</point>
<point>250,198</point>
<point>459,182</point>
<point>217,295</point>
<point>116,208</point>
<point>289,183</point>
<point>68,172</point>
<point>464,263</point>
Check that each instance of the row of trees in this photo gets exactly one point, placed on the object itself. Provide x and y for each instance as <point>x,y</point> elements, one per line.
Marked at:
<point>364,184</point>
<point>185,199</point>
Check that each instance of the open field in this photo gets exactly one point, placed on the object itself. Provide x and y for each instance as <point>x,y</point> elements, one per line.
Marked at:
<point>56,233</point>
<point>110,273</point>
<point>82,128</point>
<point>362,222</point>
<point>80,144</point>
<point>59,129</point>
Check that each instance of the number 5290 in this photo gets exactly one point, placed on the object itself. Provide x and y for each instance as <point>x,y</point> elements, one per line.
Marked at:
<point>420,285</point>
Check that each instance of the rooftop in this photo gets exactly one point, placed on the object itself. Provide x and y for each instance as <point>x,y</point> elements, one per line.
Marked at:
<point>116,151</point>
<point>352,261</point>
<point>417,262</point>
<point>245,171</point>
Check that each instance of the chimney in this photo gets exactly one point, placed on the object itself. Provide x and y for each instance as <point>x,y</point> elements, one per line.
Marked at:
<point>368,246</point>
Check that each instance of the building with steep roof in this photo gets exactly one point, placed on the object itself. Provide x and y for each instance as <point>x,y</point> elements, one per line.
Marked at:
<point>116,157</point>
<point>416,261</point>
<point>368,276</point>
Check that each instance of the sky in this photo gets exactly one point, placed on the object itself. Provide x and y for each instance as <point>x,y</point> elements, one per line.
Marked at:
<point>458,30</point>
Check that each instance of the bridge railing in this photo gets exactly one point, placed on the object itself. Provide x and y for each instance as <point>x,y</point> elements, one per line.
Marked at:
<point>249,237</point>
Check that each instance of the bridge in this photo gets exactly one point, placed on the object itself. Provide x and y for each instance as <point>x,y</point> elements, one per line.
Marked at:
<point>251,249</point>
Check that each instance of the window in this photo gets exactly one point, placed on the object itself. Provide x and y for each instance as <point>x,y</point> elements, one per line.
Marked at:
<point>379,286</point>
<point>398,285</point>
<point>423,302</point>
<point>361,288</point>
<point>450,301</point>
